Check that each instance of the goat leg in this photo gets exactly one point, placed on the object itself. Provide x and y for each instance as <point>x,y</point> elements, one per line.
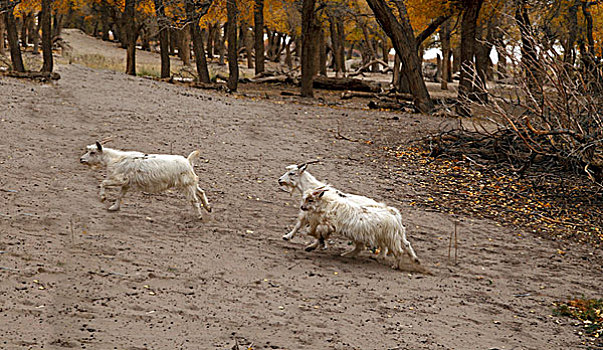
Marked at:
<point>318,242</point>
<point>116,205</point>
<point>191,195</point>
<point>203,199</point>
<point>109,183</point>
<point>301,221</point>
<point>357,249</point>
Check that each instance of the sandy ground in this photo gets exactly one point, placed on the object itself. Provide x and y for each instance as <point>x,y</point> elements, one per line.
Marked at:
<point>151,276</point>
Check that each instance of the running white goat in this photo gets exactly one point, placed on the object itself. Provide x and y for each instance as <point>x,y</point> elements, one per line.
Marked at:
<point>145,172</point>
<point>364,225</point>
<point>297,178</point>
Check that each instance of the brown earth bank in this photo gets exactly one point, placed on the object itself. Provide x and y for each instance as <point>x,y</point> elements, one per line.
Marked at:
<point>152,276</point>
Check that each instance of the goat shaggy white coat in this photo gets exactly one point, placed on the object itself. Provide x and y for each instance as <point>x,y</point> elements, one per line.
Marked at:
<point>364,225</point>
<point>297,178</point>
<point>145,172</point>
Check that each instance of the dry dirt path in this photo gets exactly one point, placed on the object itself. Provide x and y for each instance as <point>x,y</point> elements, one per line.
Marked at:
<point>73,275</point>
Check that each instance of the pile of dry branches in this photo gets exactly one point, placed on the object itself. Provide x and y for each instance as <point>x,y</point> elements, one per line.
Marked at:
<point>550,119</point>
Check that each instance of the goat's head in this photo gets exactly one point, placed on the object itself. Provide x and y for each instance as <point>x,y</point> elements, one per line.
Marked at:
<point>312,197</point>
<point>290,180</point>
<point>93,156</point>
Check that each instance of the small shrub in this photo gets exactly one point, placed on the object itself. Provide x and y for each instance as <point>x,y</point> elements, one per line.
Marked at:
<point>588,311</point>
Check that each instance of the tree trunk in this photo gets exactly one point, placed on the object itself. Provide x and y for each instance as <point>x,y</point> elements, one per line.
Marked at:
<point>298,46</point>
<point>369,53</point>
<point>569,52</point>
<point>529,55</point>
<point>341,33</point>
<point>104,18</point>
<point>2,36</point>
<point>385,51</point>
<point>310,30</point>
<point>26,20</point>
<point>222,44</point>
<point>173,34</point>
<point>322,54</point>
<point>31,29</point>
<point>248,41</point>
<point>445,41</point>
<point>499,44</point>
<point>468,29</point>
<point>233,65</point>
<point>163,38</point>
<point>258,28</point>
<point>456,59</point>
<point>195,33</point>
<point>57,25</point>
<point>184,45</point>
<point>338,58</point>
<point>47,66</point>
<point>131,35</point>
<point>288,58</point>
<point>36,35</point>
<point>211,34</point>
<point>588,58</point>
<point>144,37</point>
<point>13,41</point>
<point>482,63</point>
<point>402,37</point>
<point>589,27</point>
<point>396,72</point>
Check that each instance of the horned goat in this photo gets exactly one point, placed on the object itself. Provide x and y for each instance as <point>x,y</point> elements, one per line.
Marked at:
<point>297,178</point>
<point>364,225</point>
<point>145,172</point>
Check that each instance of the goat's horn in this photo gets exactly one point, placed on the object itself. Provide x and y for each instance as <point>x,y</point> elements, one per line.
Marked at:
<point>312,161</point>
<point>106,140</point>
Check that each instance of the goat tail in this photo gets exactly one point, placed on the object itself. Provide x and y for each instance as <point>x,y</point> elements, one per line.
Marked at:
<point>194,155</point>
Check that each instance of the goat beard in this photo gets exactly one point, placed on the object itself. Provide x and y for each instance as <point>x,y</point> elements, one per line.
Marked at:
<point>286,189</point>
<point>93,166</point>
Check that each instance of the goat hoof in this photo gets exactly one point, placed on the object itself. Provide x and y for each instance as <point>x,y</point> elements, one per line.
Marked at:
<point>113,208</point>
<point>286,237</point>
<point>208,209</point>
<point>309,248</point>
<point>103,198</point>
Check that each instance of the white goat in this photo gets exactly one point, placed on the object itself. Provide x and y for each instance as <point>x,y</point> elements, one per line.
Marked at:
<point>364,225</point>
<point>297,178</point>
<point>145,172</point>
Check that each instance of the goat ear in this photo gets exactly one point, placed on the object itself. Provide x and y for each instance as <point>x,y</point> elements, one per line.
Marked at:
<point>319,192</point>
<point>99,146</point>
<point>302,167</point>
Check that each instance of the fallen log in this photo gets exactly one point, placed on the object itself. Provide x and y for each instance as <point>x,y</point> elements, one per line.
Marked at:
<point>394,105</point>
<point>399,96</point>
<point>224,77</point>
<point>44,76</point>
<point>346,95</point>
<point>369,64</point>
<point>275,79</point>
<point>209,86</point>
<point>346,84</point>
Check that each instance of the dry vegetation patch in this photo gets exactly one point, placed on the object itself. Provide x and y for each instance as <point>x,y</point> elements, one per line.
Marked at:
<point>589,316</point>
<point>560,206</point>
